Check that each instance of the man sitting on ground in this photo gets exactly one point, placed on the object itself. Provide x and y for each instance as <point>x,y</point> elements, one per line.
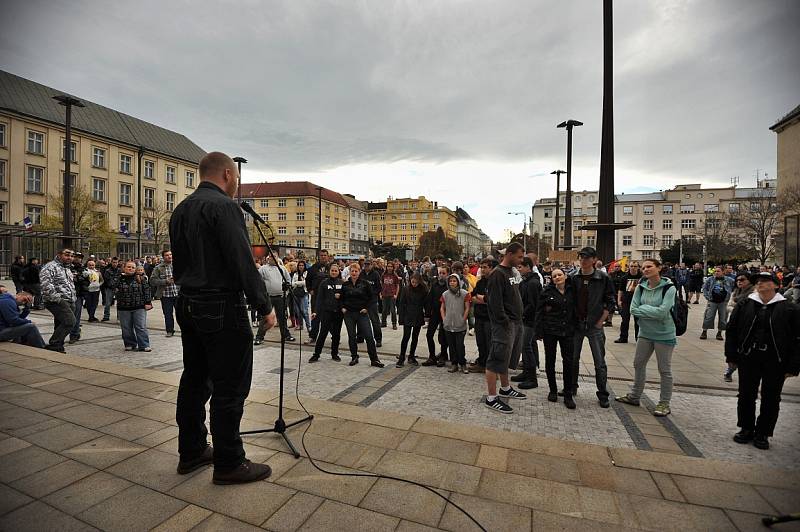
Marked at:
<point>14,326</point>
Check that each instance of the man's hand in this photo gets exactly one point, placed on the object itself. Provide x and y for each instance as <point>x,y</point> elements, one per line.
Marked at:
<point>148,307</point>
<point>337,296</point>
<point>363,311</point>
<point>313,315</point>
<point>270,320</point>
<point>599,324</point>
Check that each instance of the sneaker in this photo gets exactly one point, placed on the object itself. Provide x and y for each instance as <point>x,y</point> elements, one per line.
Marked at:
<point>703,335</point>
<point>128,348</point>
<point>569,402</point>
<point>453,369</point>
<point>621,341</point>
<point>376,363</point>
<point>146,349</point>
<point>105,319</point>
<point>313,359</point>
<point>336,358</point>
<point>603,402</point>
<point>93,320</point>
<point>628,400</point>
<point>353,361</point>
<point>187,466</point>
<point>464,369</point>
<point>290,338</point>
<point>247,471</point>
<point>719,336</point>
<point>258,341</point>
<point>552,397</point>
<point>511,393</point>
<point>661,409</point>
<point>400,363</point>
<point>170,334</point>
<point>471,332</point>
<point>529,384</point>
<point>498,406</point>
<point>728,376</point>
<point>430,362</point>
<point>255,324</point>
<point>442,362</point>
<point>413,361</point>
<point>761,442</point>
<point>743,436</point>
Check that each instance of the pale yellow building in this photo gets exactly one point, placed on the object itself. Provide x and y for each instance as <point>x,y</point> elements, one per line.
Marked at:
<point>788,131</point>
<point>118,159</point>
<point>402,221</point>
<point>292,209</point>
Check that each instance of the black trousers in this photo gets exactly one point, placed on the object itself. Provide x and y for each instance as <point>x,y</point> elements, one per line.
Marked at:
<point>434,325</point>
<point>330,322</point>
<point>358,324</point>
<point>483,338</point>
<point>551,342</point>
<point>455,343</point>
<point>217,364</point>
<point>280,312</point>
<point>409,332</point>
<point>759,367</point>
<point>375,320</point>
<point>63,320</point>
<point>625,312</point>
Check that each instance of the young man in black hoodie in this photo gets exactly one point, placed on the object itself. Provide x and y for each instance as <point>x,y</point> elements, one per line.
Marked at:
<point>505,314</point>
<point>373,277</point>
<point>438,287</point>
<point>530,289</point>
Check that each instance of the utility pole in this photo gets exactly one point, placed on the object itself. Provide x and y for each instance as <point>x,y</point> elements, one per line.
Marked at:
<point>239,161</point>
<point>319,222</point>
<point>67,101</point>
<point>569,124</point>
<point>558,191</point>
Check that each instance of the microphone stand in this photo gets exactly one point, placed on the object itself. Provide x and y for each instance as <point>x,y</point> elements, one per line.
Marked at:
<point>280,424</point>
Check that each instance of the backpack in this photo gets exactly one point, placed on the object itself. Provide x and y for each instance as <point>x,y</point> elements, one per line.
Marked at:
<point>719,296</point>
<point>679,310</point>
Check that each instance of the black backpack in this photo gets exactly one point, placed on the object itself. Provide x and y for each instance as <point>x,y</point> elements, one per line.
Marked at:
<point>679,311</point>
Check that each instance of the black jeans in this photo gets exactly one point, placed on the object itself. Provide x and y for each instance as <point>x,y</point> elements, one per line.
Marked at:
<point>330,322</point>
<point>64,319</point>
<point>280,312</point>
<point>434,325</point>
<point>358,324</point>
<point>409,332</point>
<point>388,306</point>
<point>625,312</point>
<point>483,337</point>
<point>92,299</point>
<point>552,341</point>
<point>759,367</point>
<point>455,343</point>
<point>375,320</point>
<point>217,364</point>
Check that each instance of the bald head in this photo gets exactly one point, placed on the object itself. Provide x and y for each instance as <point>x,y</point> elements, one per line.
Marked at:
<point>218,168</point>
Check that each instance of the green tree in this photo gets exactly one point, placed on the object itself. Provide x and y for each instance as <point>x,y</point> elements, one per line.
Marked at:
<point>433,243</point>
<point>692,252</point>
<point>388,250</point>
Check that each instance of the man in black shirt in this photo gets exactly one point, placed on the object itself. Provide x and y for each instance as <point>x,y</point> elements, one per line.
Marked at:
<point>317,273</point>
<point>213,264</point>
<point>373,277</point>
<point>483,328</point>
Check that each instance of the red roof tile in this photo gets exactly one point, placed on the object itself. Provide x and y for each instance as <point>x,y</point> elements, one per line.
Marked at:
<point>288,189</point>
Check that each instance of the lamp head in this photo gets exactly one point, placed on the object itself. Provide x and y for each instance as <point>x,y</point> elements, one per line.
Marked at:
<point>239,160</point>
<point>570,123</point>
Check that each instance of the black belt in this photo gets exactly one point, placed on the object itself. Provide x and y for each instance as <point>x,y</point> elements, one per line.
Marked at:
<point>759,347</point>
<point>210,293</point>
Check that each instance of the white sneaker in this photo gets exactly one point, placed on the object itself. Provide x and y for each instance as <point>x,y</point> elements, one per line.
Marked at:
<point>128,348</point>
<point>147,349</point>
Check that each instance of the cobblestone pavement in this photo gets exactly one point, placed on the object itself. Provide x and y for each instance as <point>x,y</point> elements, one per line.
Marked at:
<point>702,423</point>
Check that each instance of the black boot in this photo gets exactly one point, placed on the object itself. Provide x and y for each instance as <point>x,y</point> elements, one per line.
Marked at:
<point>430,362</point>
<point>413,360</point>
<point>525,376</point>
<point>529,384</point>
<point>743,436</point>
<point>401,361</point>
<point>353,361</point>
<point>569,402</point>
<point>761,442</point>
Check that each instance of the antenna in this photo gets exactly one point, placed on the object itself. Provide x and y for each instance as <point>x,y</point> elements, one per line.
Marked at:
<point>758,175</point>
<point>735,181</point>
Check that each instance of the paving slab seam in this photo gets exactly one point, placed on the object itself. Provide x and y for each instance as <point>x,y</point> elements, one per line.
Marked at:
<point>344,393</point>
<point>636,435</point>
<point>680,438</point>
<point>388,386</point>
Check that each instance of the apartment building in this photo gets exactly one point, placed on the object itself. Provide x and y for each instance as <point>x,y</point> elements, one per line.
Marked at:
<point>584,211</point>
<point>468,234</point>
<point>403,220</point>
<point>294,212</point>
<point>359,225</point>
<point>120,160</point>
<point>788,141</point>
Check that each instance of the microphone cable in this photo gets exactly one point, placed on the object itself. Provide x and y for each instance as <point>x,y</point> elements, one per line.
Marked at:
<point>367,475</point>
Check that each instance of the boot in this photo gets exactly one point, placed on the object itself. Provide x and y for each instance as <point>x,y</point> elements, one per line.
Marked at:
<point>245,472</point>
<point>430,362</point>
<point>569,402</point>
<point>703,335</point>
<point>719,335</point>
<point>413,360</point>
<point>441,362</point>
<point>529,384</point>
<point>401,360</point>
<point>525,376</point>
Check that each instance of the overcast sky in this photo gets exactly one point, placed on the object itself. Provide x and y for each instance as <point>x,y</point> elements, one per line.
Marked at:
<point>454,100</point>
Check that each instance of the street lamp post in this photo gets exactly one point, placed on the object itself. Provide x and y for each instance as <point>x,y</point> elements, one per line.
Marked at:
<point>558,191</point>
<point>319,222</point>
<point>239,161</point>
<point>524,235</point>
<point>539,239</point>
<point>68,101</point>
<point>569,124</point>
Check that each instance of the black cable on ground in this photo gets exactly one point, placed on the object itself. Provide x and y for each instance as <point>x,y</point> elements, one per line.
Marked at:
<point>368,475</point>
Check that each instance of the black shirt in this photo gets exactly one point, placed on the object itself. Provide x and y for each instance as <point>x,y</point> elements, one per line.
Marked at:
<point>502,294</point>
<point>211,247</point>
<point>481,309</point>
<point>583,296</point>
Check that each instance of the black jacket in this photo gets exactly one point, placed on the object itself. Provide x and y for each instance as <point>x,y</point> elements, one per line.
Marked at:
<point>601,294</point>
<point>211,247</point>
<point>111,277</point>
<point>30,274</point>
<point>784,328</point>
<point>433,302</point>
<point>81,280</point>
<point>132,294</point>
<point>373,278</point>
<point>358,297</point>
<point>481,309</point>
<point>16,270</point>
<point>325,300</point>
<point>530,289</point>
<point>555,313</point>
<point>411,305</point>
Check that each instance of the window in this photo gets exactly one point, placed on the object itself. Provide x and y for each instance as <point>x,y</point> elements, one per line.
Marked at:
<point>648,240</point>
<point>98,157</point>
<point>627,209</point>
<point>647,254</point>
<point>301,230</point>
<point>700,195</point>
<point>666,224</point>
<point>301,202</point>
<point>666,209</point>
<point>3,212</point>
<point>125,223</point>
<point>327,219</point>
<point>577,199</point>
<point>36,142</point>
<point>733,208</point>
<point>125,163</point>
<point>688,223</point>
<point>628,254</point>
<point>327,232</point>
<point>413,227</point>
<point>73,148</point>
<point>171,175</point>
<point>34,212</point>
<point>647,209</point>
<point>300,243</point>
<point>687,208</point>
<point>713,223</point>
<point>34,178</point>
<point>2,174</point>
<point>189,179</point>
<point>591,211</point>
<point>2,134</point>
<point>627,240</point>
<point>99,189</point>
<point>282,230</point>
<point>710,194</point>
<point>301,216</point>
<point>647,224</point>
<point>711,207</point>
<point>754,206</point>
<point>149,198</point>
<point>577,241</point>
<point>576,212</point>
<point>281,216</point>
<point>591,198</point>
<point>149,170</point>
<point>170,201</point>
<point>591,240</point>
<point>264,203</point>
<point>666,240</point>
<point>281,203</point>
<point>548,227</point>
<point>125,193</point>
<point>149,224</point>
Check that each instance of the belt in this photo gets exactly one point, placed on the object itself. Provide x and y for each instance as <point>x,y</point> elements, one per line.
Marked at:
<point>757,347</point>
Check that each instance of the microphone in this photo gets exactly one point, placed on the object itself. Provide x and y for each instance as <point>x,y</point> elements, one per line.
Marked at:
<point>249,210</point>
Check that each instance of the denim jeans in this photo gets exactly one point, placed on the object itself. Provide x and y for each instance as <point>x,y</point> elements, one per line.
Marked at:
<point>108,303</point>
<point>217,344</point>
<point>455,343</point>
<point>301,310</point>
<point>134,328</point>
<point>27,334</point>
<point>358,324</point>
<point>92,299</point>
<point>167,308</point>
<point>77,309</point>
<point>712,309</point>
<point>597,344</point>
<point>388,306</point>
<point>530,349</point>
<point>644,350</point>
<point>64,318</point>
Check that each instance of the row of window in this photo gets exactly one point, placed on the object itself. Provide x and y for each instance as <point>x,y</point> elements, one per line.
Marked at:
<point>299,202</point>
<point>403,227</point>
<point>689,208</point>
<point>402,216</point>
<point>337,246</point>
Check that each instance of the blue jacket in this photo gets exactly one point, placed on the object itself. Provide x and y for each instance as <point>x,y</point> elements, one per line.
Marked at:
<point>10,315</point>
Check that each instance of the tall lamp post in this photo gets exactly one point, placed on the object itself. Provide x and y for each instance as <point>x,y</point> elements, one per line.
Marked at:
<point>239,161</point>
<point>558,206</point>
<point>538,239</point>
<point>68,101</point>
<point>605,192</point>
<point>319,222</point>
<point>524,232</point>
<point>569,124</point>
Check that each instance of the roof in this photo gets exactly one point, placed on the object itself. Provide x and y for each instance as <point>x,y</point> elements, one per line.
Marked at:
<point>791,116</point>
<point>462,215</point>
<point>376,206</point>
<point>761,192</point>
<point>354,203</point>
<point>290,188</point>
<point>31,99</point>
<point>649,196</point>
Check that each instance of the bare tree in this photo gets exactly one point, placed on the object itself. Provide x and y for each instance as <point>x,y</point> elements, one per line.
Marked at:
<point>88,221</point>
<point>758,222</point>
<point>157,218</point>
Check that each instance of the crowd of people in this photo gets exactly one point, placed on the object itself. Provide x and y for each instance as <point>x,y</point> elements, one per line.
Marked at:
<point>509,304</point>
